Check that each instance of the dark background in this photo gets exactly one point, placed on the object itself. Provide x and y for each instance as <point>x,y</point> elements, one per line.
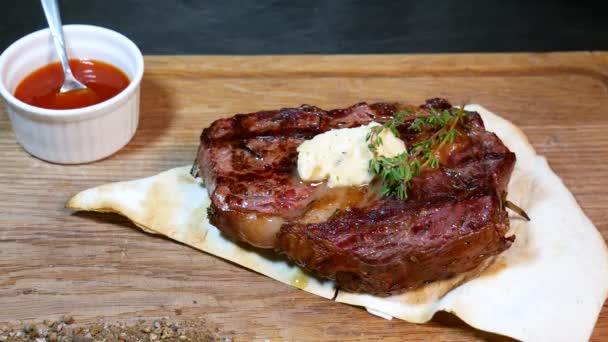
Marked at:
<point>340,26</point>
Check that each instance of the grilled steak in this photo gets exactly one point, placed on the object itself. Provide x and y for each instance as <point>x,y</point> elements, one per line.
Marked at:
<point>453,219</point>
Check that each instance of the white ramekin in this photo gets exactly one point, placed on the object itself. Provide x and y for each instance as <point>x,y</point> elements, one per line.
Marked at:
<point>75,135</point>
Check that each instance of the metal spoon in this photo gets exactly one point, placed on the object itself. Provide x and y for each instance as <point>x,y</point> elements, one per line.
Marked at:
<point>51,11</point>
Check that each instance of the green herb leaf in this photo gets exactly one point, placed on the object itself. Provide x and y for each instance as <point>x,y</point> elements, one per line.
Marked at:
<point>397,172</point>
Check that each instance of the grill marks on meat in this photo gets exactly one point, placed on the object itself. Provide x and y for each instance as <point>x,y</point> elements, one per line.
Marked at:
<point>303,121</point>
<point>397,243</point>
<point>249,165</point>
<point>452,221</point>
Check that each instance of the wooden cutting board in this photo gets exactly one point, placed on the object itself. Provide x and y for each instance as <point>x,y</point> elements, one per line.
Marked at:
<point>92,266</point>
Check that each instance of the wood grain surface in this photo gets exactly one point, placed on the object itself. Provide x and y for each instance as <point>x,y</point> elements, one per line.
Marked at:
<point>92,266</point>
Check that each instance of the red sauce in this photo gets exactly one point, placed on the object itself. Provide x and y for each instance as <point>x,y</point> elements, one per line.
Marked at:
<point>41,87</point>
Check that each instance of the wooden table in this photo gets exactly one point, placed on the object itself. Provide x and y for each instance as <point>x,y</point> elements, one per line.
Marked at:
<point>54,262</point>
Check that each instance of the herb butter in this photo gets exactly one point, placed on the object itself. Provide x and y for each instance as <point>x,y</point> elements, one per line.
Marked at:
<point>341,156</point>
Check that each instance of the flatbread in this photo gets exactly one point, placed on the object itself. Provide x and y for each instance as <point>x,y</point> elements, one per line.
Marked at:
<point>549,286</point>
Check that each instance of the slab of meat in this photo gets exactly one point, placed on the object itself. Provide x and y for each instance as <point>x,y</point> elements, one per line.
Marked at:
<point>453,219</point>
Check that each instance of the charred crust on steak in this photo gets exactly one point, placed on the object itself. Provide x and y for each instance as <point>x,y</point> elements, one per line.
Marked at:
<point>244,146</point>
<point>453,220</point>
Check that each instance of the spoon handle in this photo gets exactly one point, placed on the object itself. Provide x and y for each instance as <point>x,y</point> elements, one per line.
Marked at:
<point>51,11</point>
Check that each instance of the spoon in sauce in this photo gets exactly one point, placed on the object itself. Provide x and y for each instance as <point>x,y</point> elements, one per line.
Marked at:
<point>70,83</point>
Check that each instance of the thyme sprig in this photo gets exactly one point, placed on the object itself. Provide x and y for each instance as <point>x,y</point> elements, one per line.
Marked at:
<point>445,125</point>
<point>397,172</point>
<point>373,137</point>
